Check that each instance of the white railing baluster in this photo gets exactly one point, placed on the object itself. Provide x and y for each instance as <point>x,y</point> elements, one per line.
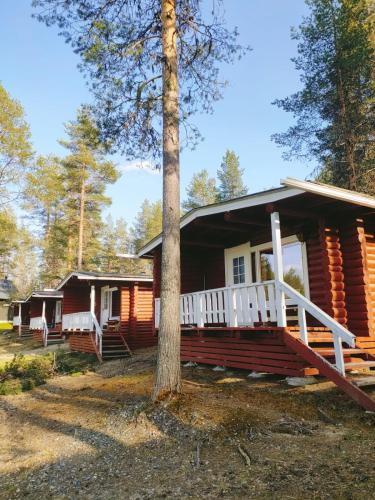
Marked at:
<point>339,355</point>
<point>303,325</point>
<point>220,305</point>
<point>262,303</point>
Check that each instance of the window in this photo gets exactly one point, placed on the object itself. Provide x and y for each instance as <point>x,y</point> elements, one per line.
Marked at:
<point>294,261</point>
<point>239,270</point>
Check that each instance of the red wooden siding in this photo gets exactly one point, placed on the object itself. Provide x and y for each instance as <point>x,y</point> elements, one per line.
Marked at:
<point>137,315</point>
<point>200,270</point>
<point>82,342</point>
<point>369,252</point>
<point>325,268</point>
<point>76,299</point>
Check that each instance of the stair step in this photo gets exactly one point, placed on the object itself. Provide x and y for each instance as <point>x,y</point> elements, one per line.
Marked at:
<point>326,351</point>
<point>363,382</point>
<point>360,364</point>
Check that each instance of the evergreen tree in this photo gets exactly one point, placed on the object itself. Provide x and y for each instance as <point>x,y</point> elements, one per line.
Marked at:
<point>87,173</point>
<point>44,197</point>
<point>335,109</point>
<point>201,191</point>
<point>8,238</point>
<point>148,224</point>
<point>230,177</point>
<point>24,265</point>
<point>15,147</point>
<point>115,240</point>
<point>153,63</point>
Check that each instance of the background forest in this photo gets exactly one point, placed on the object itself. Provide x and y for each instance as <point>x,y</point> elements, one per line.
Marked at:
<point>54,211</point>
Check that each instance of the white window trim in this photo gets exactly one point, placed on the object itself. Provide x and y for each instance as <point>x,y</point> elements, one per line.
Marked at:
<point>58,309</point>
<point>237,251</point>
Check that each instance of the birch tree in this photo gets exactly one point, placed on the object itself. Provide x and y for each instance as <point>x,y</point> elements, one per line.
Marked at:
<point>152,65</point>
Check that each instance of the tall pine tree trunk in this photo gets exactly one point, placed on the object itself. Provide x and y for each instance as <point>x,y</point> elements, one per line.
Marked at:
<point>81,224</point>
<point>168,371</point>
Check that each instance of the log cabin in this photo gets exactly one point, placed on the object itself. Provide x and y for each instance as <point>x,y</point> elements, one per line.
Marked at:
<point>39,316</point>
<point>281,281</point>
<point>107,314</point>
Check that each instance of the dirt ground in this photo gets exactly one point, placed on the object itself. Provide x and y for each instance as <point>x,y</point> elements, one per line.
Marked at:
<point>96,436</point>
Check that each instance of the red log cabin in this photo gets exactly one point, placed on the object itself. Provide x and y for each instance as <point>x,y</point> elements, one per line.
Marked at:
<point>281,281</point>
<point>107,314</point>
<point>39,316</point>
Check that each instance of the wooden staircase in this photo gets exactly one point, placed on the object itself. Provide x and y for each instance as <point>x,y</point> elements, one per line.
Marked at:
<point>54,336</point>
<point>320,354</point>
<point>26,333</point>
<point>114,346</point>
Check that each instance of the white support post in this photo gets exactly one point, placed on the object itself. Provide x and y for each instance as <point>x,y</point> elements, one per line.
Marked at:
<point>199,310</point>
<point>92,299</point>
<point>279,272</point>
<point>92,303</point>
<point>20,322</point>
<point>339,355</point>
<point>44,311</point>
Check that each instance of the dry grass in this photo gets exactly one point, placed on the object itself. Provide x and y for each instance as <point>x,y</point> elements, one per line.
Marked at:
<point>98,436</point>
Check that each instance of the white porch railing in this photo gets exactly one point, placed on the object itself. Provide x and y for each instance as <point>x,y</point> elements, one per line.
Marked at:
<point>78,321</point>
<point>36,323</point>
<point>84,321</point>
<point>245,305</point>
<point>16,321</point>
<point>238,305</point>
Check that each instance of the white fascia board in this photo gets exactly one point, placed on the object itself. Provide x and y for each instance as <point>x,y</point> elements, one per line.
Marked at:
<point>244,202</point>
<point>331,192</point>
<point>112,278</point>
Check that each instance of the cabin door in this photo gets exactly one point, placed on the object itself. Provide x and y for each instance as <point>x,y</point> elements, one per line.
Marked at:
<point>105,305</point>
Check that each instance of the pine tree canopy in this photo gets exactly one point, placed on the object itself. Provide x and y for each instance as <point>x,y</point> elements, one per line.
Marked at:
<point>335,109</point>
<point>201,191</point>
<point>120,44</point>
<point>230,177</point>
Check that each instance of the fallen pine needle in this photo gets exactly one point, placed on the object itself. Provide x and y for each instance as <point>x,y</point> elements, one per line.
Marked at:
<point>244,455</point>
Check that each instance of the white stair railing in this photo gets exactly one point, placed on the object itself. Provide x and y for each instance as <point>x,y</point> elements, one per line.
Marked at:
<point>340,333</point>
<point>98,334</point>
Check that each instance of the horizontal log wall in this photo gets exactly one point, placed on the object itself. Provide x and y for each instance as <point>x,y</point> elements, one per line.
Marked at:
<point>82,342</point>
<point>137,315</point>
<point>258,351</point>
<point>76,299</point>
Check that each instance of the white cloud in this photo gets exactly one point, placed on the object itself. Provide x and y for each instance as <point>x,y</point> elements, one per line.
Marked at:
<point>140,165</point>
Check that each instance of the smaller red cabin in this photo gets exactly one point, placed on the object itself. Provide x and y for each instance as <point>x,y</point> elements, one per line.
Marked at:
<point>39,316</point>
<point>107,313</point>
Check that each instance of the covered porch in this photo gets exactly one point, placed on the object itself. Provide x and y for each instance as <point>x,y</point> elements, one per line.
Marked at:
<point>280,282</point>
<point>107,313</point>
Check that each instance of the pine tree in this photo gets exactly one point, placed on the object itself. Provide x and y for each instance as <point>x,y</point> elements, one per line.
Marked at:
<point>230,177</point>
<point>87,173</point>
<point>201,191</point>
<point>335,110</point>
<point>147,225</point>
<point>44,197</point>
<point>15,147</point>
<point>153,63</point>
<point>24,265</point>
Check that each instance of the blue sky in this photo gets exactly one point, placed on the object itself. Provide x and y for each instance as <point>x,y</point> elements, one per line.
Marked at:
<point>40,70</point>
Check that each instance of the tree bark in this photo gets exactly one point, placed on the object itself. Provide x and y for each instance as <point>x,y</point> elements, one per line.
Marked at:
<point>81,224</point>
<point>168,371</point>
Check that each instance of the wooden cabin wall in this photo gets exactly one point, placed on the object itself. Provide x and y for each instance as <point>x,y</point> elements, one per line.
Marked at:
<point>76,299</point>
<point>200,269</point>
<point>370,273</point>
<point>325,269</point>
<point>36,308</point>
<point>137,315</point>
